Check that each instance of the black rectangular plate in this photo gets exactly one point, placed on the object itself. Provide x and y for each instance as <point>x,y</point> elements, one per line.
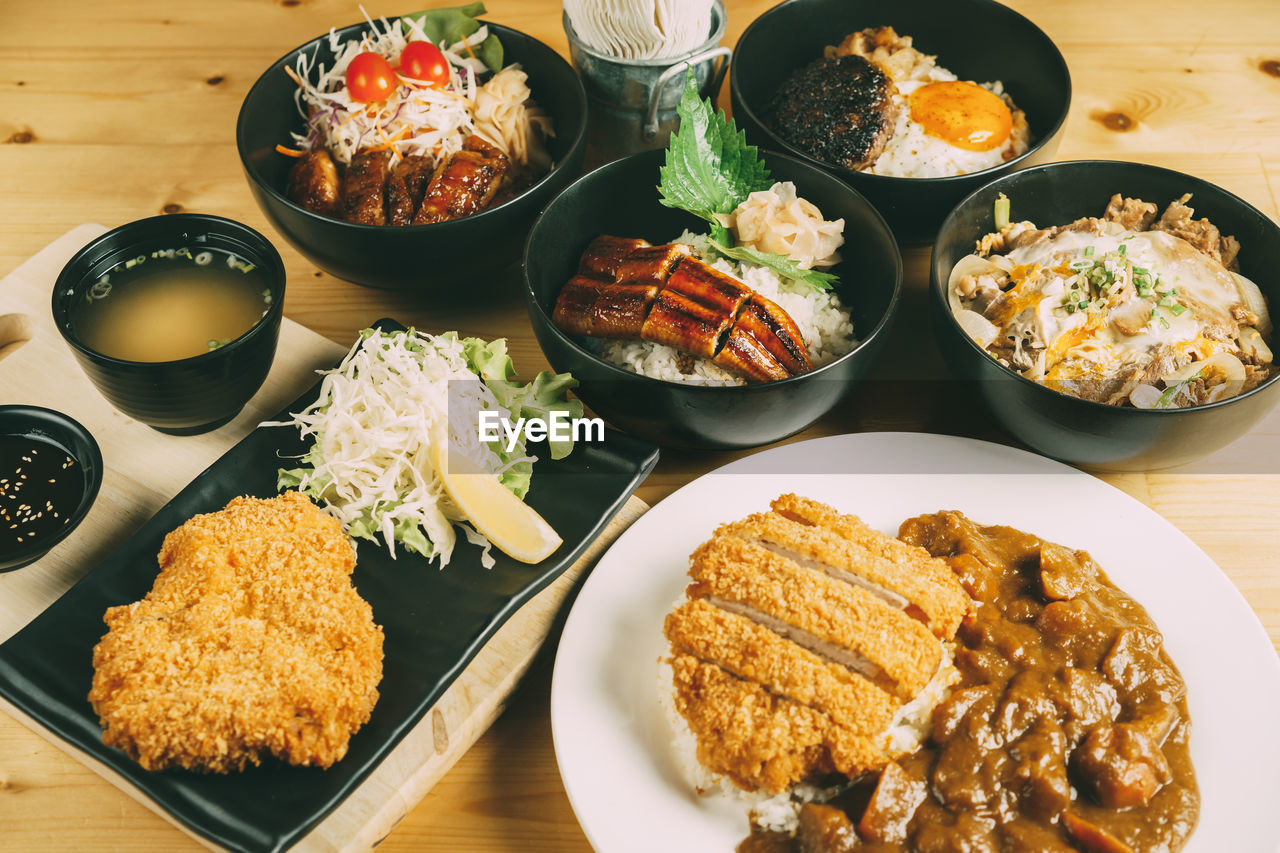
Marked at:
<point>435,621</point>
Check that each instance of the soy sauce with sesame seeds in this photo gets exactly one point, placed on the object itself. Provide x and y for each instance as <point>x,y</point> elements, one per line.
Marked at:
<point>40,488</point>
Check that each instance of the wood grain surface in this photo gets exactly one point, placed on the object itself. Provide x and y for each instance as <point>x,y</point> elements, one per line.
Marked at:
<point>112,112</point>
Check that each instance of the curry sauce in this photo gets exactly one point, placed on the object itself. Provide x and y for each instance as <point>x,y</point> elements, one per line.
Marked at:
<point>1068,731</point>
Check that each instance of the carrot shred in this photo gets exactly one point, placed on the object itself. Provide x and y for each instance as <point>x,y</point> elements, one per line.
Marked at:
<point>390,140</point>
<point>290,152</point>
<point>470,52</point>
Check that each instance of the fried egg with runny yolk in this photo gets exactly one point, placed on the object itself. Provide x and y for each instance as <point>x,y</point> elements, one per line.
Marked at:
<point>962,114</point>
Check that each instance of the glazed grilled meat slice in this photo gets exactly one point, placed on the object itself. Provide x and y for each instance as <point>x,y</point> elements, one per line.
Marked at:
<point>744,355</point>
<point>651,263</point>
<point>575,306</point>
<point>605,254</point>
<point>405,188</point>
<point>626,288</point>
<point>313,182</point>
<point>618,282</point>
<point>773,327</point>
<point>464,184</point>
<point>604,309</point>
<point>695,309</point>
<point>364,188</point>
<point>839,110</point>
<point>622,308</point>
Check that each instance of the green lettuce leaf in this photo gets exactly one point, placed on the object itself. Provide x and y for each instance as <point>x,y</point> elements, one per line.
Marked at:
<point>547,392</point>
<point>455,23</point>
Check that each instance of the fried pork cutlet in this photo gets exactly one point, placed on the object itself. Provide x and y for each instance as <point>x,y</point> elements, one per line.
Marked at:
<point>806,642</point>
<point>251,642</point>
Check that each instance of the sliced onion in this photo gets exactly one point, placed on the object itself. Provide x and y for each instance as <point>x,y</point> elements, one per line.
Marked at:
<point>968,265</point>
<point>982,330</point>
<point>1227,365</point>
<point>1252,298</point>
<point>1144,396</point>
<point>1252,345</point>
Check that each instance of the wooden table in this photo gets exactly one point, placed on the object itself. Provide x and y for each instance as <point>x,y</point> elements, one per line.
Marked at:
<point>112,112</point>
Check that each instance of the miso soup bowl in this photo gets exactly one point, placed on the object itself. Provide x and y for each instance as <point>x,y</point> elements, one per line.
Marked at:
<point>189,395</point>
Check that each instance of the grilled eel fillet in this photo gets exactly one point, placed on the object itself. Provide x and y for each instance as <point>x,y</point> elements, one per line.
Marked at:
<point>627,288</point>
<point>797,648</point>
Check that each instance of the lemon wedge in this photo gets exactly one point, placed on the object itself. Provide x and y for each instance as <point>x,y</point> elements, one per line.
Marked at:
<point>510,524</point>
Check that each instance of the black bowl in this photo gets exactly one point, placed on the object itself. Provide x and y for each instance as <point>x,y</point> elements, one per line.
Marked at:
<point>427,259</point>
<point>58,429</point>
<point>190,395</point>
<point>621,198</point>
<point>977,39</point>
<point>1092,434</point>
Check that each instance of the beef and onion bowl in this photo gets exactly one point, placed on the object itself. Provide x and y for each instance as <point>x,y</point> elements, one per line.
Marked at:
<point>1134,308</point>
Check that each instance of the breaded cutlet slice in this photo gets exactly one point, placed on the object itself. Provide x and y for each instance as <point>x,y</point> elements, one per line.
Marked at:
<point>759,740</point>
<point>755,653</point>
<point>251,642</point>
<point>922,580</point>
<point>843,621</point>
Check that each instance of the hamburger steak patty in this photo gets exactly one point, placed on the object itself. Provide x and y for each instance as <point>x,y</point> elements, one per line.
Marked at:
<point>838,110</point>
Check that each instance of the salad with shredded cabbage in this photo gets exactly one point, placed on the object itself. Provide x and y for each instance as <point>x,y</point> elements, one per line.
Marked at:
<point>392,397</point>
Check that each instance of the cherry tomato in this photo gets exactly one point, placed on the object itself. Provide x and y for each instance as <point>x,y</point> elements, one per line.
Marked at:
<point>370,78</point>
<point>422,60</point>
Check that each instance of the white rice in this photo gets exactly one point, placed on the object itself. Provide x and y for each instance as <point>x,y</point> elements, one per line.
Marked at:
<point>824,323</point>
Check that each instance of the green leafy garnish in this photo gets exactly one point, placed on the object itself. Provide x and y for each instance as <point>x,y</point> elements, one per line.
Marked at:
<point>710,170</point>
<point>780,264</point>
<point>456,23</point>
<point>547,392</point>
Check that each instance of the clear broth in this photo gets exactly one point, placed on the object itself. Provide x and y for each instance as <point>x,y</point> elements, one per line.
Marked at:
<point>171,305</point>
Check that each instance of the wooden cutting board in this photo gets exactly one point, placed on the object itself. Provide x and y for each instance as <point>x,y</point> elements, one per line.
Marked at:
<point>144,468</point>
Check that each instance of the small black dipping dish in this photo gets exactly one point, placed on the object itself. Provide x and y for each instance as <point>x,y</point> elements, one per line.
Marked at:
<point>50,472</point>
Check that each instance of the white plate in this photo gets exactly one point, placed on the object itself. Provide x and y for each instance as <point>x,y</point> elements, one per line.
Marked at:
<point>611,738</point>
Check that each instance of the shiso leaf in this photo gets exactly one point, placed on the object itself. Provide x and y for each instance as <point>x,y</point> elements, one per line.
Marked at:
<point>710,169</point>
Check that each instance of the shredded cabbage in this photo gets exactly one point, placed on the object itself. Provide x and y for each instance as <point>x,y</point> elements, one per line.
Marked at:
<point>380,410</point>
